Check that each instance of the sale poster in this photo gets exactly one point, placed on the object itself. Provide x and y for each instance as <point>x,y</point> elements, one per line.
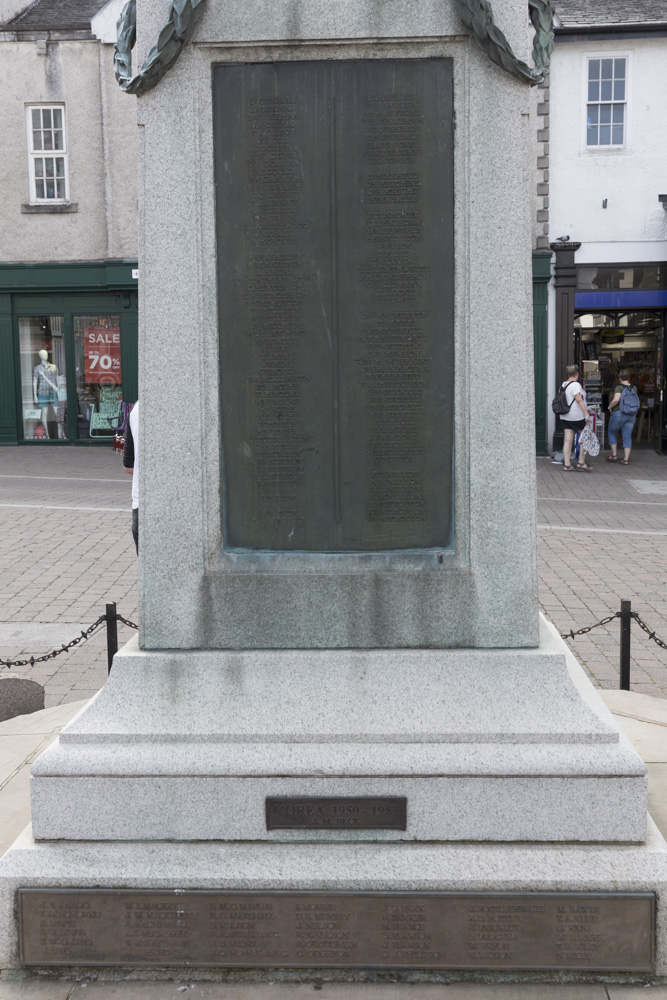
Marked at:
<point>102,355</point>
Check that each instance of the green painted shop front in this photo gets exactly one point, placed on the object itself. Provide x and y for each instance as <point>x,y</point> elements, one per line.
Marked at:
<point>541,279</point>
<point>68,351</point>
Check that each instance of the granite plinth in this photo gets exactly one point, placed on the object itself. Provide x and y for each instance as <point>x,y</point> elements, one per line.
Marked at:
<point>485,744</point>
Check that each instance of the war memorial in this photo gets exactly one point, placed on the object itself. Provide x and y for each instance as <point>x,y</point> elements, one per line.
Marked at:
<point>345,742</point>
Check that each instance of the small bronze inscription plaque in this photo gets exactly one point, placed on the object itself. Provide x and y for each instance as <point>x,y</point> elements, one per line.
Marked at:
<point>124,927</point>
<point>367,813</point>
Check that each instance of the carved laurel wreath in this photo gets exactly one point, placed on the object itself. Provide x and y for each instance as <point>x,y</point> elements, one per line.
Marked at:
<point>184,14</point>
<point>478,17</point>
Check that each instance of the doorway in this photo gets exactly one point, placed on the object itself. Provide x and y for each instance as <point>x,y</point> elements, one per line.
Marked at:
<point>608,341</point>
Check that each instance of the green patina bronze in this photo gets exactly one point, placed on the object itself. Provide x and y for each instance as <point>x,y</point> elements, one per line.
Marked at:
<point>184,14</point>
<point>478,17</point>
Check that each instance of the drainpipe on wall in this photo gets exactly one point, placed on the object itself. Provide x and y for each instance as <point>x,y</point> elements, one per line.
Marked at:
<point>565,281</point>
<point>105,124</point>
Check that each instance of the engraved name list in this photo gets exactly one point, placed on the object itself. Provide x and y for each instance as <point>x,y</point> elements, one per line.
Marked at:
<point>335,247</point>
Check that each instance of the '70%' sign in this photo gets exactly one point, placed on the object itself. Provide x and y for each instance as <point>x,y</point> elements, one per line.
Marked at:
<point>102,354</point>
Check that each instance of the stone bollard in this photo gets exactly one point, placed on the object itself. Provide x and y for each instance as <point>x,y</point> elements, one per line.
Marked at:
<point>19,696</point>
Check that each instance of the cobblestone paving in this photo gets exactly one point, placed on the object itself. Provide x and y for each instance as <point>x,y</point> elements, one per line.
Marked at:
<point>602,537</point>
<point>66,549</point>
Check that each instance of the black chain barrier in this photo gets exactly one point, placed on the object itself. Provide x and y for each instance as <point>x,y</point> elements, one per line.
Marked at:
<point>650,634</point>
<point>626,614</point>
<point>85,635</point>
<point>589,628</point>
<point>605,621</point>
<point>119,618</point>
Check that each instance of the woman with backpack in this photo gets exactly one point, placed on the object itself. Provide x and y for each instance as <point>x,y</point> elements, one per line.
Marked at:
<point>574,420</point>
<point>623,419</point>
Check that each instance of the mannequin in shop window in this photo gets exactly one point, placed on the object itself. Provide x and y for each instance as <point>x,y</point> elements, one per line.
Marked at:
<point>45,387</point>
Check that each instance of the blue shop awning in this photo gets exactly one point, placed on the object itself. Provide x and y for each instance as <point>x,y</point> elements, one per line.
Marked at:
<point>621,298</point>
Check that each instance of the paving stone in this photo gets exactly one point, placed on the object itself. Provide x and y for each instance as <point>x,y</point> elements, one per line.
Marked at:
<point>33,989</point>
<point>336,991</point>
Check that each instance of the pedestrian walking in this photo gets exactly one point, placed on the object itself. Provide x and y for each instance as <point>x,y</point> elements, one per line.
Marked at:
<point>574,420</point>
<point>623,406</point>
<point>131,465</point>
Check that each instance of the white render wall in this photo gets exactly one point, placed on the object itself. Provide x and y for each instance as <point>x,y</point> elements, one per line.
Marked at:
<point>633,227</point>
<point>10,8</point>
<point>102,152</point>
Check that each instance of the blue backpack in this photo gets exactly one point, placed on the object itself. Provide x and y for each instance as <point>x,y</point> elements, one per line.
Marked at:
<point>629,401</point>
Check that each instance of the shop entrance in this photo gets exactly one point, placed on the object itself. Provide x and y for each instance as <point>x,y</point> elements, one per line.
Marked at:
<point>608,341</point>
<point>68,351</point>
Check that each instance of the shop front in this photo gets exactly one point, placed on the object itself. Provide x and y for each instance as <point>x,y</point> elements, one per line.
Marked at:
<point>619,323</point>
<point>68,351</point>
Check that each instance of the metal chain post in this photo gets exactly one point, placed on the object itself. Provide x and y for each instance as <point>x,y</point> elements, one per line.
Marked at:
<point>112,634</point>
<point>627,616</point>
<point>626,621</point>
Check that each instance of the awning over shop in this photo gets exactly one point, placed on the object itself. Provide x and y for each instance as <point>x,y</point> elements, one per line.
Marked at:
<point>627,298</point>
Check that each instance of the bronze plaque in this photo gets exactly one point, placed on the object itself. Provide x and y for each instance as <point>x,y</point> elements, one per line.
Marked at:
<point>123,927</point>
<point>335,248</point>
<point>336,813</point>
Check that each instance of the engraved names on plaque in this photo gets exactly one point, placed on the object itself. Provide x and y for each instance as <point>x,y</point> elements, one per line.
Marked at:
<point>335,235</point>
<point>124,927</point>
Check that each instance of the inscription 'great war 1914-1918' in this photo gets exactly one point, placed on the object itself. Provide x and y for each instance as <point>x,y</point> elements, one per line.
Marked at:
<point>335,248</point>
<point>303,930</point>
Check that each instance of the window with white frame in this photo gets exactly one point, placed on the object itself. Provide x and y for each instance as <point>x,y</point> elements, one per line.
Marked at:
<point>47,145</point>
<point>606,109</point>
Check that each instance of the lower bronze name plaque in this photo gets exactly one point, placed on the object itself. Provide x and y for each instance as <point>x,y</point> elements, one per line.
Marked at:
<point>121,927</point>
<point>349,813</point>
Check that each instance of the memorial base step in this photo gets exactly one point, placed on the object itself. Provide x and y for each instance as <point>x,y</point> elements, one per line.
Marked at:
<point>499,745</point>
<point>340,910</point>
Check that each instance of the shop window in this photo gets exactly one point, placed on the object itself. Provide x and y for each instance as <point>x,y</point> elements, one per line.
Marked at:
<point>47,145</point>
<point>43,377</point>
<point>99,382</point>
<point>606,102</point>
<point>622,277</point>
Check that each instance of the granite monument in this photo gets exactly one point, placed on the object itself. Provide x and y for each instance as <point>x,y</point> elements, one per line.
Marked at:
<point>344,739</point>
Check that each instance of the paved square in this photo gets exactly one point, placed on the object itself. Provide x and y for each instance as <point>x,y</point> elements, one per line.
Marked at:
<point>600,540</point>
<point>66,549</point>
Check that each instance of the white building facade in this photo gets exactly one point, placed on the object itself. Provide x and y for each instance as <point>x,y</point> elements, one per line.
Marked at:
<point>607,201</point>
